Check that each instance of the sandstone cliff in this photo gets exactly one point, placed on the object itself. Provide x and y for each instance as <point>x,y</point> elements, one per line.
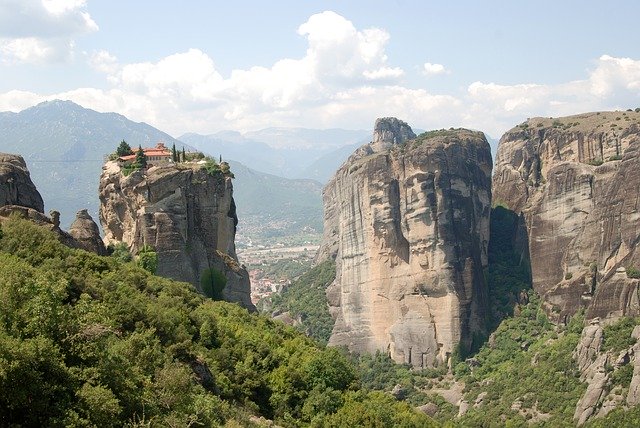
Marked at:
<point>575,180</point>
<point>85,231</point>
<point>185,214</point>
<point>407,220</point>
<point>16,187</point>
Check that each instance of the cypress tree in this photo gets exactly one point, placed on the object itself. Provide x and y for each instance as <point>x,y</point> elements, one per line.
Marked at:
<point>184,155</point>
<point>141,158</point>
<point>174,153</point>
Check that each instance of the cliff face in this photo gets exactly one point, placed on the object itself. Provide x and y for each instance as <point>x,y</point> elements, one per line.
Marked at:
<point>575,180</point>
<point>186,215</point>
<point>408,225</point>
<point>16,187</point>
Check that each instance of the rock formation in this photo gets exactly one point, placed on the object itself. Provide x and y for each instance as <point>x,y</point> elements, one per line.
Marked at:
<point>19,197</point>
<point>575,181</point>
<point>85,231</point>
<point>407,220</point>
<point>187,215</point>
<point>16,187</point>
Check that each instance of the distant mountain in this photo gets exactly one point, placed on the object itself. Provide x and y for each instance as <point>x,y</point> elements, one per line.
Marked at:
<point>65,144</point>
<point>323,168</point>
<point>286,152</point>
<point>287,206</point>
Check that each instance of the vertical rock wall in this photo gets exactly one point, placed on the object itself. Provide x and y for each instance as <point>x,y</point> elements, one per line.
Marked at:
<point>408,224</point>
<point>185,214</point>
<point>575,180</point>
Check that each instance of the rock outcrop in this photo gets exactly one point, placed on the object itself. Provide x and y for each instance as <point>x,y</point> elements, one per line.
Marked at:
<point>86,233</point>
<point>187,215</point>
<point>407,221</point>
<point>16,187</point>
<point>19,197</point>
<point>575,181</point>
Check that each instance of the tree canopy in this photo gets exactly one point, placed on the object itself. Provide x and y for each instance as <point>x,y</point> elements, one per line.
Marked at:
<point>124,149</point>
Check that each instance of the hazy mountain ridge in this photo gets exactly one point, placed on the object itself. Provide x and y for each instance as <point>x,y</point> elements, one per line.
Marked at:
<point>286,152</point>
<point>65,144</point>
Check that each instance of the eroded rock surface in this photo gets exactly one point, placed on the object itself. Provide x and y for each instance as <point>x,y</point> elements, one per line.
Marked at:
<point>85,231</point>
<point>408,222</point>
<point>575,180</point>
<point>185,214</point>
<point>16,187</point>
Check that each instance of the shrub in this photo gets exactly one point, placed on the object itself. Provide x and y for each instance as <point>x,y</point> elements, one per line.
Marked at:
<point>120,251</point>
<point>632,272</point>
<point>147,259</point>
<point>568,276</point>
<point>211,166</point>
<point>213,282</point>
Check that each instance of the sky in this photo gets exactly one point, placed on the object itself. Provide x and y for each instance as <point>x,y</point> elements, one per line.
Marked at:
<point>207,66</point>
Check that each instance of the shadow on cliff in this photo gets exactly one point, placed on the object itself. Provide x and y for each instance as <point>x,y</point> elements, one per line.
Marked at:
<point>508,274</point>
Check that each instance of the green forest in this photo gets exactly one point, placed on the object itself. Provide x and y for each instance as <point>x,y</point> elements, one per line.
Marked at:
<point>94,341</point>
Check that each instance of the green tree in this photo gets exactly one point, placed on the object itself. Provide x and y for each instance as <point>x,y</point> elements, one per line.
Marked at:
<point>147,259</point>
<point>124,149</point>
<point>184,155</point>
<point>120,251</point>
<point>213,282</point>
<point>174,153</point>
<point>141,158</point>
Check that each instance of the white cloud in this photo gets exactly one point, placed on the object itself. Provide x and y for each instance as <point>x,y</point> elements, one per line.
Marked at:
<point>430,69</point>
<point>40,31</point>
<point>343,79</point>
<point>104,61</point>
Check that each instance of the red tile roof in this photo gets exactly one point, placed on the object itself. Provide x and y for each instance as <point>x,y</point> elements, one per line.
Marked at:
<point>158,150</point>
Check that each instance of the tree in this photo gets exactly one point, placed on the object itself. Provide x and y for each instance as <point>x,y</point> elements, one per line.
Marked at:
<point>141,158</point>
<point>124,149</point>
<point>120,251</point>
<point>174,153</point>
<point>184,155</point>
<point>213,282</point>
<point>147,259</point>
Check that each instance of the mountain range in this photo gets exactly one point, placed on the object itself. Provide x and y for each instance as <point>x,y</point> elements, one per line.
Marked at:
<point>286,152</point>
<point>65,145</point>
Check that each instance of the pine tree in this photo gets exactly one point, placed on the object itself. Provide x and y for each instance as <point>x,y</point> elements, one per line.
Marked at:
<point>141,158</point>
<point>184,155</point>
<point>124,149</point>
<point>174,153</point>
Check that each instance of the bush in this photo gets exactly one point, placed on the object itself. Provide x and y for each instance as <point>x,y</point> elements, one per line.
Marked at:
<point>632,272</point>
<point>213,282</point>
<point>120,251</point>
<point>147,259</point>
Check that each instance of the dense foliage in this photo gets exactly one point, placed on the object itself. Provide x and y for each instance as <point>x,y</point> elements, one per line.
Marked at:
<point>94,341</point>
<point>124,149</point>
<point>508,273</point>
<point>306,301</point>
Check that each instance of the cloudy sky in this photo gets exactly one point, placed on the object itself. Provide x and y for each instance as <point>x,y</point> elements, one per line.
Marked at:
<point>206,66</point>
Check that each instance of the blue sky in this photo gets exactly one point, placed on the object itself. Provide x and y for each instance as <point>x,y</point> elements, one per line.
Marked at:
<point>203,66</point>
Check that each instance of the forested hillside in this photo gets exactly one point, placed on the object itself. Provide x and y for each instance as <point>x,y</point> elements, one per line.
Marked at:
<point>92,341</point>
